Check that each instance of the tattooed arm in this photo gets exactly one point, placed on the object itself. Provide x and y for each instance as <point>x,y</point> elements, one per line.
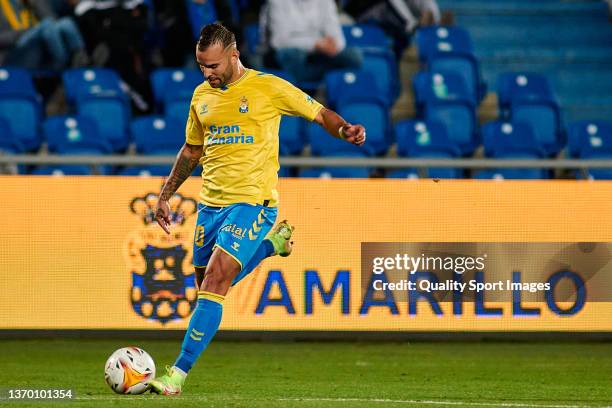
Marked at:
<point>186,160</point>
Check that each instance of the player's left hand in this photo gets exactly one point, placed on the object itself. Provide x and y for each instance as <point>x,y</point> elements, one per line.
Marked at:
<point>162,215</point>
<point>355,134</point>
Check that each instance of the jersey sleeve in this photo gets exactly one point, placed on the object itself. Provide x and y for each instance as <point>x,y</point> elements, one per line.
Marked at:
<point>194,134</point>
<point>292,101</point>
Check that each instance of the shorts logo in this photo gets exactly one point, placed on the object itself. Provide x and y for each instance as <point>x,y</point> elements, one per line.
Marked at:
<point>235,246</point>
<point>256,226</point>
<point>244,105</point>
<point>163,280</point>
<point>236,231</point>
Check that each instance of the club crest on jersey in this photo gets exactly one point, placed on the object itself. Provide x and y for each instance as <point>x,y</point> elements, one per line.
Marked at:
<point>203,109</point>
<point>244,105</point>
<point>163,280</point>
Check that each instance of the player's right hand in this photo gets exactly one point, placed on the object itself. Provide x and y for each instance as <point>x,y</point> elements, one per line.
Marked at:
<point>355,134</point>
<point>162,215</point>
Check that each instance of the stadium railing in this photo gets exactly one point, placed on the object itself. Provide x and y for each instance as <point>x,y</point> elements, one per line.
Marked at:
<point>386,163</point>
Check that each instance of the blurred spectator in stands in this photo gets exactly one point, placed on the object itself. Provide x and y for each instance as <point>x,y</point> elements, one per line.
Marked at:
<point>427,12</point>
<point>114,32</point>
<point>306,37</point>
<point>250,10</point>
<point>176,39</point>
<point>31,37</point>
<point>63,7</point>
<point>227,16</point>
<point>399,18</point>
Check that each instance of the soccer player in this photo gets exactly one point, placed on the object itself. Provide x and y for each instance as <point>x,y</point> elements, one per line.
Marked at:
<point>232,129</point>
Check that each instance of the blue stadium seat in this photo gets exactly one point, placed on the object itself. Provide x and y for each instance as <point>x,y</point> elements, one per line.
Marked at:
<point>20,107</point>
<point>515,87</point>
<point>291,136</point>
<point>436,39</point>
<point>510,140</point>
<point>338,172</point>
<point>545,119</point>
<point>434,85</point>
<point>177,109</point>
<point>460,119</point>
<point>323,144</point>
<point>68,134</point>
<point>384,68</point>
<point>465,65</point>
<point>200,13</point>
<point>513,140</point>
<point>588,135</point>
<point>111,117</point>
<point>599,147</point>
<point>23,115</point>
<point>65,170</point>
<point>374,117</point>
<point>419,139</point>
<point>99,95</point>
<point>9,143</point>
<point>443,97</point>
<point>17,82</point>
<point>157,135</point>
<point>367,37</point>
<point>347,84</point>
<point>92,82</point>
<point>175,86</point>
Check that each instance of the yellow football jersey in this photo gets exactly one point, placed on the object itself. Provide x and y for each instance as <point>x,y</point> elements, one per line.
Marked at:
<point>238,128</point>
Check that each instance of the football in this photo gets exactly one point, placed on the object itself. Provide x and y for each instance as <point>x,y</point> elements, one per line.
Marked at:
<point>129,370</point>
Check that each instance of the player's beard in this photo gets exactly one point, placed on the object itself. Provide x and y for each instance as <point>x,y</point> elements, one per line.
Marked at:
<point>224,78</point>
<point>227,75</point>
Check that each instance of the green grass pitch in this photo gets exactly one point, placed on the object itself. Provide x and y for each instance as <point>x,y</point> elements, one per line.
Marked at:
<point>332,374</point>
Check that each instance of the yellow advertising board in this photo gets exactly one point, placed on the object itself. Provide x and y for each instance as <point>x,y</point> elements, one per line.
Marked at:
<point>83,253</point>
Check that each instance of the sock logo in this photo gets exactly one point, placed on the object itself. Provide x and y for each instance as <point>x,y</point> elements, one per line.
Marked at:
<point>196,335</point>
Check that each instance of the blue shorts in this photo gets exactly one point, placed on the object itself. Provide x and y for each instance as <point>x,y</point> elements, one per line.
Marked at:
<point>238,230</point>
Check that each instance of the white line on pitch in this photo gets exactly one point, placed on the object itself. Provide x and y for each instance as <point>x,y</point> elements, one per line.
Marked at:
<point>441,402</point>
<point>322,399</point>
